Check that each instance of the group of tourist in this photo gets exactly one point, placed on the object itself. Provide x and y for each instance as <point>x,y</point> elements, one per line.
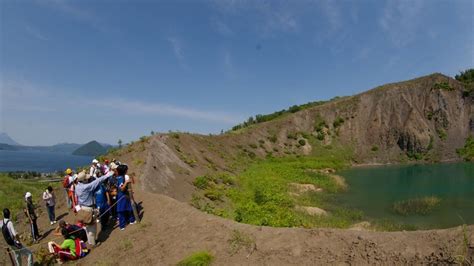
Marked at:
<point>101,195</point>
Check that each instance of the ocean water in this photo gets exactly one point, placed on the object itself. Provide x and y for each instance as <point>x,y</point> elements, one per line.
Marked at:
<point>40,161</point>
<point>375,189</point>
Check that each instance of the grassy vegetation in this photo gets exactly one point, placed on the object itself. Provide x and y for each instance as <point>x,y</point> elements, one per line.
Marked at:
<point>12,192</point>
<point>261,194</point>
<point>201,258</point>
<point>292,109</point>
<point>421,206</point>
<point>443,86</point>
<point>338,122</point>
<point>240,240</point>
<point>467,152</point>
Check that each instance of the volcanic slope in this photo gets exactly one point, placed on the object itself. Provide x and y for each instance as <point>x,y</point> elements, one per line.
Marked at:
<point>424,119</point>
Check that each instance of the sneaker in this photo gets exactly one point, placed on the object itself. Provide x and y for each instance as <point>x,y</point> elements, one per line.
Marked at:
<point>55,221</point>
<point>133,222</point>
<point>51,223</point>
<point>121,229</point>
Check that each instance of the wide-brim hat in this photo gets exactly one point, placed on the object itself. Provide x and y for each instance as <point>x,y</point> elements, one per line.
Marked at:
<point>27,195</point>
<point>82,176</point>
<point>113,166</point>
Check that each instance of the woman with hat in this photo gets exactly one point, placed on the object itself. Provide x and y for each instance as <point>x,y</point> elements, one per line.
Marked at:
<point>30,213</point>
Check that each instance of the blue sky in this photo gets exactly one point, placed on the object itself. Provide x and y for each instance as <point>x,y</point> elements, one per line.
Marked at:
<point>73,71</point>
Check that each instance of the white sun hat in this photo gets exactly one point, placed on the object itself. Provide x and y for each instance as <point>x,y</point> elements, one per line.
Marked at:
<point>27,195</point>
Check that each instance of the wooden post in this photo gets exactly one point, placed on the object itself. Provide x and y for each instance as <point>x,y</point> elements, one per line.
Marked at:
<point>10,256</point>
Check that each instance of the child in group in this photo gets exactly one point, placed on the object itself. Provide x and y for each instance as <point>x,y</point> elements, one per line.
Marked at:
<point>67,250</point>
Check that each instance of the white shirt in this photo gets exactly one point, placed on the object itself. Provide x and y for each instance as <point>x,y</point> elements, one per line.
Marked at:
<point>9,226</point>
<point>49,198</point>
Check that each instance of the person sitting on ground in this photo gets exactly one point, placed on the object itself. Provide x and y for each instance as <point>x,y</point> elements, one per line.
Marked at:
<point>67,250</point>
<point>10,236</point>
<point>50,200</point>
<point>74,230</point>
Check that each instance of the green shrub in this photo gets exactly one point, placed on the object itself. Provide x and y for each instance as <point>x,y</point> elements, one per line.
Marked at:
<point>302,142</point>
<point>430,145</point>
<point>202,182</point>
<point>292,135</point>
<point>174,135</point>
<point>421,206</point>
<point>429,115</point>
<point>467,152</point>
<point>374,148</point>
<point>442,134</point>
<point>261,141</point>
<point>273,138</point>
<point>338,122</point>
<point>201,258</point>
<point>443,86</point>
<point>320,125</point>
<point>320,136</point>
<point>213,194</point>
<point>253,145</point>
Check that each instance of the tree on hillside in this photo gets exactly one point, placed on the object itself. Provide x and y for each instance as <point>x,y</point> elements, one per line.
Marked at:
<point>120,143</point>
<point>467,77</point>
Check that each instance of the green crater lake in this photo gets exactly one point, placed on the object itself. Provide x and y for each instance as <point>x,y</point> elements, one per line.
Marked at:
<point>374,190</point>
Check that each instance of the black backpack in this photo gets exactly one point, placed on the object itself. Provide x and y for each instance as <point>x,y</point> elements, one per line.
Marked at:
<point>6,233</point>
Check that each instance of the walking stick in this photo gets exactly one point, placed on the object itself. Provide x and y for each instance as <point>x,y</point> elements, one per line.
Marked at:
<point>10,255</point>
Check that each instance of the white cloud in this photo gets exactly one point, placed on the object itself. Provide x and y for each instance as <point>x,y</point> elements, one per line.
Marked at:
<point>176,46</point>
<point>137,107</point>
<point>23,96</point>
<point>400,20</point>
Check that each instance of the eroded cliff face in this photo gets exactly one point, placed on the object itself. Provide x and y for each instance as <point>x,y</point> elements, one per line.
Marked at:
<point>411,120</point>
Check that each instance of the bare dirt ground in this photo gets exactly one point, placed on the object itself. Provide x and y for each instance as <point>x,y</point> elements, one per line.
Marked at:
<point>171,230</point>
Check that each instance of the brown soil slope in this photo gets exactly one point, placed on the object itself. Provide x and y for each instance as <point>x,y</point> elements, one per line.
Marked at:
<point>172,230</point>
<point>386,124</point>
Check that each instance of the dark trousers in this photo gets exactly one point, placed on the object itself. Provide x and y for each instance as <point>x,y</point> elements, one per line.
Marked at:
<point>125,217</point>
<point>51,215</point>
<point>34,230</point>
<point>104,216</point>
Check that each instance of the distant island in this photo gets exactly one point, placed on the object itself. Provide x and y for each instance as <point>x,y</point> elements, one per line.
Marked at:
<point>92,148</point>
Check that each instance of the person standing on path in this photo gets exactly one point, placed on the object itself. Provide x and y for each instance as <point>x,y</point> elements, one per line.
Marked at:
<point>67,182</point>
<point>13,241</point>
<point>30,213</point>
<point>85,192</point>
<point>50,201</point>
<point>124,204</point>
<point>95,171</point>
